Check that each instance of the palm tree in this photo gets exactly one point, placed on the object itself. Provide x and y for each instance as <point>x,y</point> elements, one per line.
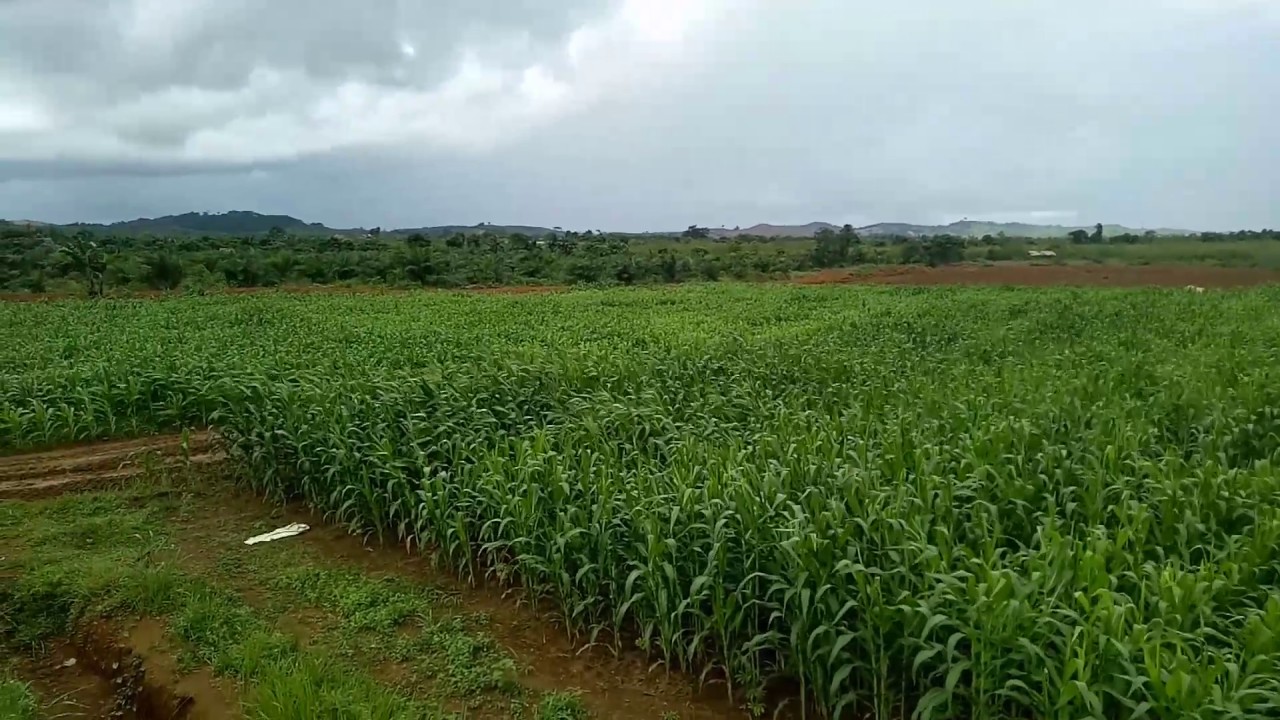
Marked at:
<point>88,259</point>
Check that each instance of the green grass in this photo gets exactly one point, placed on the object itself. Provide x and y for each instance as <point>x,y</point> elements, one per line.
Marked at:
<point>17,701</point>
<point>561,706</point>
<point>84,556</point>
<point>390,619</point>
<point>109,555</point>
<point>315,688</point>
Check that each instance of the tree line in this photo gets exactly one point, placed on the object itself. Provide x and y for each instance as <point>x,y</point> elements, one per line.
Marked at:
<point>50,259</point>
<point>42,260</point>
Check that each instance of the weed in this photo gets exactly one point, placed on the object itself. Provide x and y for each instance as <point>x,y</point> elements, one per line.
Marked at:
<point>17,701</point>
<point>398,619</point>
<point>109,556</point>
<point>313,688</point>
<point>562,706</point>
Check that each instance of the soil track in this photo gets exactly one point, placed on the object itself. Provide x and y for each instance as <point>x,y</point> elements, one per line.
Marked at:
<point>102,672</point>
<point>1005,273</point>
<point>1026,274</point>
<point>99,465</point>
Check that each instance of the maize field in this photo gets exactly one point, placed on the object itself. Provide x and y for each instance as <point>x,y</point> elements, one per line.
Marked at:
<point>923,503</point>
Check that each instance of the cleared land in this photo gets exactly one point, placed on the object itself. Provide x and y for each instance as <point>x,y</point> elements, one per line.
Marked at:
<point>1028,275</point>
<point>1082,274</point>
<point>939,502</point>
<point>99,465</point>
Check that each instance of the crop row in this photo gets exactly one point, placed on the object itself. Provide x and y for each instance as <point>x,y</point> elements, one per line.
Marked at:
<point>940,503</point>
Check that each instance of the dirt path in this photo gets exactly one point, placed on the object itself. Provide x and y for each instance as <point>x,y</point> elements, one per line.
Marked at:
<point>99,465</point>
<point>1026,274</point>
<point>1016,273</point>
<point>103,672</point>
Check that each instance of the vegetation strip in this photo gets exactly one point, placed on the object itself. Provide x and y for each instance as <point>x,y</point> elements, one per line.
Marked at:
<point>17,701</point>
<point>246,250</point>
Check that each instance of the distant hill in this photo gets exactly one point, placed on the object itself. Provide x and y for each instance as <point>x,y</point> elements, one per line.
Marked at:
<point>243,222</point>
<point>773,231</point>
<point>236,222</point>
<point>441,230</point>
<point>963,228</point>
<point>978,228</point>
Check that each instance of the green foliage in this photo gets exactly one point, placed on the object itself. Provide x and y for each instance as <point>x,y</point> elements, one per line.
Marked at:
<point>84,257</point>
<point>561,706</point>
<point>122,258</point>
<point>17,701</point>
<point>399,617</point>
<point>164,271</point>
<point>96,555</point>
<point>944,250</point>
<point>315,688</point>
<point>836,249</point>
<point>944,503</point>
<point>477,258</point>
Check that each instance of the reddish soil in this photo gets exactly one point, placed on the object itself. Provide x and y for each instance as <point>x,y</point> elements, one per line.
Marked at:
<point>518,289</point>
<point>104,673</point>
<point>200,695</point>
<point>1025,274</point>
<point>68,688</point>
<point>98,465</point>
<point>1005,273</point>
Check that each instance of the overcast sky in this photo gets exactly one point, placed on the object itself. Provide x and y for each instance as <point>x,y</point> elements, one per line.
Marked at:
<point>643,114</point>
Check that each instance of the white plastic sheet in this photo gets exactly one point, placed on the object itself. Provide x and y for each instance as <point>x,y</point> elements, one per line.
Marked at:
<point>278,534</point>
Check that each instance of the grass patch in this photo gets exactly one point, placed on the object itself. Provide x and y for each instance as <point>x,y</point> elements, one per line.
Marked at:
<point>17,701</point>
<point>363,603</point>
<point>391,619</point>
<point>226,634</point>
<point>78,557</point>
<point>561,706</point>
<point>86,557</point>
<point>100,556</point>
<point>316,688</point>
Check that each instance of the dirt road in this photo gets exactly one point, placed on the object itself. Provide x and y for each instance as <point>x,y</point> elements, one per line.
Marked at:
<point>1026,274</point>
<point>99,465</point>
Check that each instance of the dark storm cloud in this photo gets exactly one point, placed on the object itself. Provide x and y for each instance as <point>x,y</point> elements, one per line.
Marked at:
<point>643,113</point>
<point>179,80</point>
<point>216,44</point>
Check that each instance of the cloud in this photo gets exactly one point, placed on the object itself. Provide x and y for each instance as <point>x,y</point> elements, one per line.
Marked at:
<point>643,114</point>
<point>381,75</point>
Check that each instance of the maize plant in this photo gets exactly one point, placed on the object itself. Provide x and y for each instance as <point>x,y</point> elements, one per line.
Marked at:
<point>928,503</point>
